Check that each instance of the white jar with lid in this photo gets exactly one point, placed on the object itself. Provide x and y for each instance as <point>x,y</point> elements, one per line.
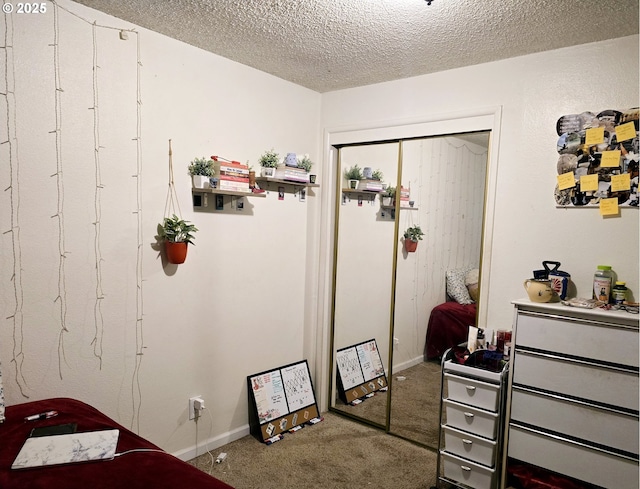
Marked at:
<point>602,281</point>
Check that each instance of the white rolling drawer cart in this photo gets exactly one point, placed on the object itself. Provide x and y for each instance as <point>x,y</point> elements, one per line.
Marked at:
<point>471,425</point>
<point>573,393</point>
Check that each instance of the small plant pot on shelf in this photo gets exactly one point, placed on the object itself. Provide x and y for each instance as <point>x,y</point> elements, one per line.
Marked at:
<point>200,181</point>
<point>410,246</point>
<point>268,172</point>
<point>353,184</point>
<point>176,252</point>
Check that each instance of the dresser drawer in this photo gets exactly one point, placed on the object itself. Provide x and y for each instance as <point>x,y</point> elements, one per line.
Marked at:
<point>616,430</point>
<point>469,446</point>
<point>470,419</point>
<point>584,381</point>
<point>472,392</point>
<point>605,343</point>
<point>467,472</point>
<point>582,462</point>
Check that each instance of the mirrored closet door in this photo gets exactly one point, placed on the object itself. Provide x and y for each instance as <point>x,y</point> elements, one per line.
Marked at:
<point>385,293</point>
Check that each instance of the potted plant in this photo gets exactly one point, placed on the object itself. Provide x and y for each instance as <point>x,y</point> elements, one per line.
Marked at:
<point>377,175</point>
<point>177,234</point>
<point>353,175</point>
<point>269,162</point>
<point>387,196</point>
<point>411,237</point>
<point>201,169</point>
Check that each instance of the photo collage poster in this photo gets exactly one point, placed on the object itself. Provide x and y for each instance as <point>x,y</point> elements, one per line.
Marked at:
<point>598,160</point>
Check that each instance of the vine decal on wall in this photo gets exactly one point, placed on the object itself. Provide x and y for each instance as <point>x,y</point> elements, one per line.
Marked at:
<point>11,146</point>
<point>61,298</point>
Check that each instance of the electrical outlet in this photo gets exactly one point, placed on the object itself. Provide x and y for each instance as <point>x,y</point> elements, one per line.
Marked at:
<point>196,404</point>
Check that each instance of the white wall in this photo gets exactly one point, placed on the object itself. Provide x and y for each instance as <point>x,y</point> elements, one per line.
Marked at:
<point>533,91</point>
<point>238,304</point>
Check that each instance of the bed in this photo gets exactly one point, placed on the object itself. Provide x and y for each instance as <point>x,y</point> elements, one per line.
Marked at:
<point>449,322</point>
<point>135,470</point>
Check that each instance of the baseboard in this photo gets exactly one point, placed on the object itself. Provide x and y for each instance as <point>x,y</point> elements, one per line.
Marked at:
<point>408,364</point>
<point>212,443</point>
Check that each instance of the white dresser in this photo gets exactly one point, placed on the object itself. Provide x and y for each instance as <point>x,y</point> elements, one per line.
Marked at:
<point>572,394</point>
<point>471,417</point>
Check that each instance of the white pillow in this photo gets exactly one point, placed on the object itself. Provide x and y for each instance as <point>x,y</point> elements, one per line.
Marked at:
<point>456,287</point>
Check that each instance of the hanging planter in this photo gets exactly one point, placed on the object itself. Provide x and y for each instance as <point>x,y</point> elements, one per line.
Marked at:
<point>176,252</point>
<point>410,245</point>
<point>411,237</point>
<point>177,234</point>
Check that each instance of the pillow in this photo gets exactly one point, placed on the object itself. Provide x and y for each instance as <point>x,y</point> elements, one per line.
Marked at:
<point>456,287</point>
<point>471,281</point>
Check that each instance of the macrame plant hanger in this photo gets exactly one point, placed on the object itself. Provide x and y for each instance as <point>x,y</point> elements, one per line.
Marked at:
<point>171,206</point>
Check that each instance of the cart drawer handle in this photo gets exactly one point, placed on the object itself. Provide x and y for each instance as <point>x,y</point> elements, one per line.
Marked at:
<point>469,415</point>
<point>464,467</point>
<point>470,387</point>
<point>467,442</point>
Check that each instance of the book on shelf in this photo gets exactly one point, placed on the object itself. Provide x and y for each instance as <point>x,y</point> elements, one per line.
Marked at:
<point>293,174</point>
<point>232,178</point>
<point>233,186</point>
<point>231,169</point>
<point>404,193</point>
<point>370,185</point>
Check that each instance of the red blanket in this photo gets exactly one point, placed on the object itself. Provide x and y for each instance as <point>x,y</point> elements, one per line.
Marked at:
<point>448,326</point>
<point>137,470</point>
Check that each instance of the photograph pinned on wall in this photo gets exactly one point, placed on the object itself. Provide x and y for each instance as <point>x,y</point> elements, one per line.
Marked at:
<point>219,202</point>
<point>359,200</point>
<point>344,199</point>
<point>240,204</point>
<point>303,194</point>
<point>280,193</point>
<point>598,159</point>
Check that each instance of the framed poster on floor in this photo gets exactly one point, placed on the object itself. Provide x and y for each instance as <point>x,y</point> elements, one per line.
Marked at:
<point>360,371</point>
<point>280,399</point>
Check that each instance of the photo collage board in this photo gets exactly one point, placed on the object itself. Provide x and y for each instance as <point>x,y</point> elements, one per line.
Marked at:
<point>360,371</point>
<point>280,400</point>
<point>598,160</point>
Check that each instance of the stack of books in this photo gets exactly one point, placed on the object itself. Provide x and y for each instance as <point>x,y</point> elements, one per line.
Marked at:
<point>232,176</point>
<point>370,185</point>
<point>292,174</point>
<point>404,195</point>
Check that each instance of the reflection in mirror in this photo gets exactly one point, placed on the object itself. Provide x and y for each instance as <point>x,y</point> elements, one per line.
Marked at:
<point>446,180</point>
<point>364,270</point>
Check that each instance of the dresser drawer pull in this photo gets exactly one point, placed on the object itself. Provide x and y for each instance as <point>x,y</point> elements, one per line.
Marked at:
<point>467,442</point>
<point>464,467</point>
<point>470,387</point>
<point>468,415</point>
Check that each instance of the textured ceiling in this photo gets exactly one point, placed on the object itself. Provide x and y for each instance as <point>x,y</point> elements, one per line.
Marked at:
<point>328,45</point>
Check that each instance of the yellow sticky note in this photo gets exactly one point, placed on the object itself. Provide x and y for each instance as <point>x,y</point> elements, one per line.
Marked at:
<point>610,158</point>
<point>566,180</point>
<point>625,131</point>
<point>595,135</point>
<point>589,183</point>
<point>620,183</point>
<point>609,207</point>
